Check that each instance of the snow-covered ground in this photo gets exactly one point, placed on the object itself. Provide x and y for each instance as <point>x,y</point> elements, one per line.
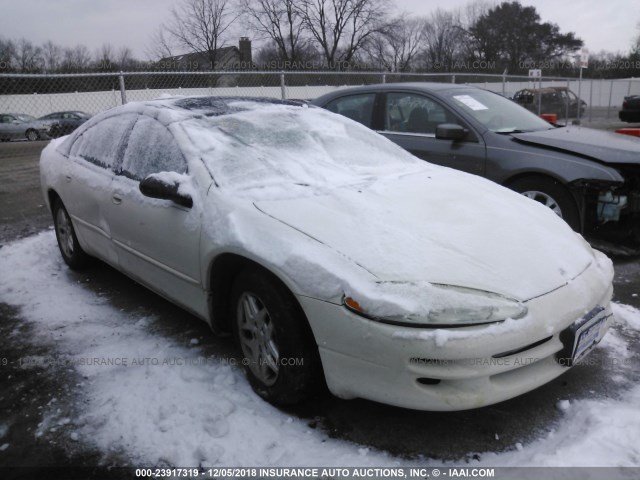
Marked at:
<point>164,402</point>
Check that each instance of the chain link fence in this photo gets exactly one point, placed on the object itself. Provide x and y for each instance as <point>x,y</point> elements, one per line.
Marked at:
<point>29,102</point>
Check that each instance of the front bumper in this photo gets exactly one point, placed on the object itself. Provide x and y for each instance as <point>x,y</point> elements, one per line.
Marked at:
<point>629,115</point>
<point>454,369</point>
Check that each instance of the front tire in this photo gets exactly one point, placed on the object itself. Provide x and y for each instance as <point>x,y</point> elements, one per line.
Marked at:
<point>279,352</point>
<point>553,195</point>
<point>70,248</point>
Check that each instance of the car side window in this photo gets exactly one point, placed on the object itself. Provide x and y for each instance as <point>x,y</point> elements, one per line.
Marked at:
<point>7,119</point>
<point>356,107</point>
<point>413,113</point>
<point>151,149</point>
<point>104,142</point>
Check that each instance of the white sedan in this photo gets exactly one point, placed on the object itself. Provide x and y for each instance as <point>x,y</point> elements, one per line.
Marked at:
<point>329,252</point>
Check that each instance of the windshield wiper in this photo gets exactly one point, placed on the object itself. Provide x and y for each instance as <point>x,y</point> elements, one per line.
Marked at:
<point>519,130</point>
<point>509,132</point>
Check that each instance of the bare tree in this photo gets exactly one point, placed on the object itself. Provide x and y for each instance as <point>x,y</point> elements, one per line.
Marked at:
<point>124,58</point>
<point>443,38</point>
<point>473,10</point>
<point>28,56</point>
<point>7,53</point>
<point>200,26</point>
<point>52,56</point>
<point>105,57</point>
<point>341,27</point>
<point>281,22</point>
<point>635,47</point>
<point>75,59</point>
<point>395,47</point>
<point>160,46</point>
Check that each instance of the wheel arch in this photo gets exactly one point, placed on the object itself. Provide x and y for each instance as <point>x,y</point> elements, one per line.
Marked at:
<point>546,176</point>
<point>534,174</point>
<point>222,272</point>
<point>52,196</point>
<point>575,193</point>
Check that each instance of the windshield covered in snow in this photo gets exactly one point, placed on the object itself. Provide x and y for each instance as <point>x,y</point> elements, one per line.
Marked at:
<point>269,144</point>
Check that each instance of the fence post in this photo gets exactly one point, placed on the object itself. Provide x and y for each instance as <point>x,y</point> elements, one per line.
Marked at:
<point>610,95</point>
<point>283,91</point>
<point>123,92</point>
<point>566,122</point>
<point>504,81</point>
<point>453,79</point>
<point>590,101</point>
<point>384,78</point>
<point>539,94</point>
<point>629,88</point>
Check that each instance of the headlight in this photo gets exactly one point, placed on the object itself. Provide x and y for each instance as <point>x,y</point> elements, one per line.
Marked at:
<point>489,314</point>
<point>436,306</point>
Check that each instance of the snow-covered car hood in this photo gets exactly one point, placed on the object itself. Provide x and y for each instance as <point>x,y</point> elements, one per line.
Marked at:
<point>608,147</point>
<point>443,227</point>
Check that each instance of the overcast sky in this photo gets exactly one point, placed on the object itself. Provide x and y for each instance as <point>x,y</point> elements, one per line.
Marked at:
<point>603,25</point>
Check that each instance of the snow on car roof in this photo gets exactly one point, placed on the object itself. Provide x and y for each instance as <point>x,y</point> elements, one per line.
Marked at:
<point>249,143</point>
<point>267,148</point>
<point>170,109</point>
<point>271,147</point>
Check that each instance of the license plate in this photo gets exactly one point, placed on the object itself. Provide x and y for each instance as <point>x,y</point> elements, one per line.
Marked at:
<point>587,338</point>
<point>581,337</point>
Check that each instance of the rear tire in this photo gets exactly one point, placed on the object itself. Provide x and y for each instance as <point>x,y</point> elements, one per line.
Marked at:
<point>32,135</point>
<point>552,194</point>
<point>279,352</point>
<point>70,248</point>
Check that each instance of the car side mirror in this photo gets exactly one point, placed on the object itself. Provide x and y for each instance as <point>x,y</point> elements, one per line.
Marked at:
<point>157,187</point>
<point>451,131</point>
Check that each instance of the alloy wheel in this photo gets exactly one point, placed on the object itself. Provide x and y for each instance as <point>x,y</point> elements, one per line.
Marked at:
<point>544,199</point>
<point>65,235</point>
<point>257,338</point>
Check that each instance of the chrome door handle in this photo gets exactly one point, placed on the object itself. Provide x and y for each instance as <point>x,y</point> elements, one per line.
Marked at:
<point>116,198</point>
<point>68,177</point>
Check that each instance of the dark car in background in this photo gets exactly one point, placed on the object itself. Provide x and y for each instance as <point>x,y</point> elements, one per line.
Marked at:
<point>590,178</point>
<point>18,126</point>
<point>556,100</point>
<point>63,123</point>
<point>630,109</point>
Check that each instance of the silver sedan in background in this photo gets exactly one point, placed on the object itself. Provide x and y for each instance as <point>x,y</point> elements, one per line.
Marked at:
<point>20,126</point>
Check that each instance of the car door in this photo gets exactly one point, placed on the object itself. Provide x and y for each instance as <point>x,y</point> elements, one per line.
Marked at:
<point>410,120</point>
<point>11,127</point>
<point>157,241</point>
<point>88,175</point>
<point>69,122</point>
